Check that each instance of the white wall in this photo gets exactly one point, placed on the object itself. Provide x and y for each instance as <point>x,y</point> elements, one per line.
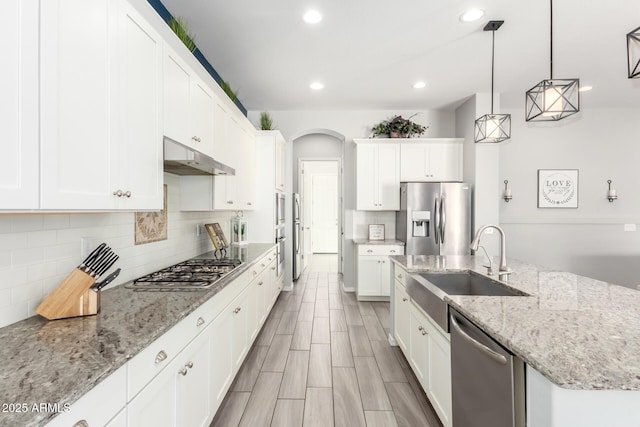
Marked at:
<point>603,144</point>
<point>481,164</point>
<point>353,124</point>
<point>37,251</point>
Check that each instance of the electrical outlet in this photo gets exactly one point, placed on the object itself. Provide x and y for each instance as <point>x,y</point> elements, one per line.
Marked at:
<point>87,244</point>
<point>198,229</point>
<point>629,227</point>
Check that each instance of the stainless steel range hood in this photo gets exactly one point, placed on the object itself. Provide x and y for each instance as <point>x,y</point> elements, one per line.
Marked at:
<point>182,160</point>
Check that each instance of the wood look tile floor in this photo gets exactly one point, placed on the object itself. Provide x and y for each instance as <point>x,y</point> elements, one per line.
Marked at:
<point>323,359</point>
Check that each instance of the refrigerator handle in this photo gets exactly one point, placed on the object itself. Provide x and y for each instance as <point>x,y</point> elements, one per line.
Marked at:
<point>443,218</point>
<point>436,220</point>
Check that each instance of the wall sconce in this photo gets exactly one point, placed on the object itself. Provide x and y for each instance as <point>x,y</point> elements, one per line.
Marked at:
<point>611,194</point>
<point>633,53</point>
<point>507,196</point>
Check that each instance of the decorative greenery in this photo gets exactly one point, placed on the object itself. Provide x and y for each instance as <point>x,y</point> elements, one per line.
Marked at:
<point>227,89</point>
<point>266,122</point>
<point>181,28</point>
<point>399,127</point>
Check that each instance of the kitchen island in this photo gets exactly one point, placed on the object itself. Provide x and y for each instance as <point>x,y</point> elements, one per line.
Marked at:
<point>57,362</point>
<point>579,337</point>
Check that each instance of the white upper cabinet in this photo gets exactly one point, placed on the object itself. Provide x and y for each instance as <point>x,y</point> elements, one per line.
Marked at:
<point>19,105</point>
<point>281,147</point>
<point>188,105</point>
<point>377,176</point>
<point>100,118</point>
<point>431,160</point>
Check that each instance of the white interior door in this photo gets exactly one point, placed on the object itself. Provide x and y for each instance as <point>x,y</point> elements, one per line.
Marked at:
<point>324,213</point>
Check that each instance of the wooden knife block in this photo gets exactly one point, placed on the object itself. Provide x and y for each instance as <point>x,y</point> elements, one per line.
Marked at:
<point>72,298</point>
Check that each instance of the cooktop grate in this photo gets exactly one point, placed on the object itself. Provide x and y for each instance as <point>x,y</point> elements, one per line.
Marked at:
<point>190,275</point>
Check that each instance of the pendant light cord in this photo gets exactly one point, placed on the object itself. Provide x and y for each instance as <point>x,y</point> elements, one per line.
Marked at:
<point>551,39</point>
<point>493,48</point>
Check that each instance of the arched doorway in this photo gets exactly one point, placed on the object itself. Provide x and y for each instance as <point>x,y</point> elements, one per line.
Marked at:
<point>317,156</point>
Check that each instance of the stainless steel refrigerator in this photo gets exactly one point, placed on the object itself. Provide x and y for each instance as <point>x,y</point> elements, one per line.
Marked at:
<point>435,218</point>
<point>297,237</point>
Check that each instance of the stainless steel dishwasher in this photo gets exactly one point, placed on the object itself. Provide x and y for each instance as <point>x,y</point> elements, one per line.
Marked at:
<point>487,381</point>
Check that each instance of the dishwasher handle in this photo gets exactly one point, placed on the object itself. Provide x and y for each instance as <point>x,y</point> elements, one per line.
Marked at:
<point>481,347</point>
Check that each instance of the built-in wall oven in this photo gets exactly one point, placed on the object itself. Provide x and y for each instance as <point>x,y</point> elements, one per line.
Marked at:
<point>280,239</point>
<point>280,209</point>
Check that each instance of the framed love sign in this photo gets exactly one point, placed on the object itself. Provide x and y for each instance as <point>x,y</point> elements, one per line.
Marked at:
<point>557,188</point>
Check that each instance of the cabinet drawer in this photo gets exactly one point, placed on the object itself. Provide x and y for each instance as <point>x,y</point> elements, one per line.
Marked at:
<point>380,250</point>
<point>99,405</point>
<point>400,274</point>
<point>159,354</point>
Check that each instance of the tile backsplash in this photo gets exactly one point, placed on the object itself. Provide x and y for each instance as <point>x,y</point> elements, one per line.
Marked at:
<point>362,219</point>
<point>37,251</point>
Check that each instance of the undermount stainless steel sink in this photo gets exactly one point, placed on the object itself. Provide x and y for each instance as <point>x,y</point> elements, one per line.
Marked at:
<point>429,289</point>
<point>468,283</point>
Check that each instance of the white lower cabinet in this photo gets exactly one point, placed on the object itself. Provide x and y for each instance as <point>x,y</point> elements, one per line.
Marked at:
<point>119,420</point>
<point>98,406</point>
<point>222,368</point>
<point>374,270</point>
<point>401,316</point>
<point>427,348</point>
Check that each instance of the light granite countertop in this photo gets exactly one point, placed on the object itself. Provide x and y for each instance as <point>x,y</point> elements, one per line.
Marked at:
<point>378,242</point>
<point>59,361</point>
<point>580,333</point>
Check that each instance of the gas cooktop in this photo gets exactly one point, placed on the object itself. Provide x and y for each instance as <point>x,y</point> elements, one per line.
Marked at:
<point>190,275</point>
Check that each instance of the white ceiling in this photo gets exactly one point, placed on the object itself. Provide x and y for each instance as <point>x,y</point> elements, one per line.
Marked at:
<point>368,53</point>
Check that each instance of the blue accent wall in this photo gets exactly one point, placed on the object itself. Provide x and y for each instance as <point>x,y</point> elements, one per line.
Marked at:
<point>166,15</point>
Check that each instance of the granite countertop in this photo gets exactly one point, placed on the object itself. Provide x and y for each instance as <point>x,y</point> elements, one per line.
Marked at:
<point>580,333</point>
<point>378,242</point>
<point>59,361</point>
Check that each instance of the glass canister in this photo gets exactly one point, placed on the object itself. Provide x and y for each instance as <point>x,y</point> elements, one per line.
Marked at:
<point>239,230</point>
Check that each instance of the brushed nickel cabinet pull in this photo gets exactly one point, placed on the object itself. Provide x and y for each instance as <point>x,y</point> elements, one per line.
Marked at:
<point>127,194</point>
<point>200,321</point>
<point>81,423</point>
<point>189,365</point>
<point>183,371</point>
<point>118,193</point>
<point>161,356</point>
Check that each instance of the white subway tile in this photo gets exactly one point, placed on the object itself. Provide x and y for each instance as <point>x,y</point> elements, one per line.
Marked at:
<point>39,239</point>
<point>26,256</point>
<point>66,250</point>
<point>13,314</point>
<point>41,271</point>
<point>27,222</point>
<point>51,283</point>
<point>13,277</point>
<point>26,292</point>
<point>5,298</point>
<point>5,223</point>
<point>13,241</point>
<point>55,221</point>
<point>5,259</point>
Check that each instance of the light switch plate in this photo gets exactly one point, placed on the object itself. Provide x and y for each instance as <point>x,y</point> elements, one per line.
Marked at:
<point>629,227</point>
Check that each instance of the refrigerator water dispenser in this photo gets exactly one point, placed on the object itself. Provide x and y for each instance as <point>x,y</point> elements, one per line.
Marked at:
<point>420,221</point>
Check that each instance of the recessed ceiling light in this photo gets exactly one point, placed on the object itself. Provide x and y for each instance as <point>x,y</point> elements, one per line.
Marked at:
<point>419,85</point>
<point>312,17</point>
<point>472,15</point>
<point>585,88</point>
<point>316,86</point>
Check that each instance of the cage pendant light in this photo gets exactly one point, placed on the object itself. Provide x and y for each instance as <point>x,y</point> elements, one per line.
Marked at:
<point>633,53</point>
<point>552,99</point>
<point>493,127</point>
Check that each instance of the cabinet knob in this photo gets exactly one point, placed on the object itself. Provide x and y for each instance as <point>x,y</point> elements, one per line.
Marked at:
<point>393,251</point>
<point>260,283</point>
<point>189,365</point>
<point>127,194</point>
<point>81,423</point>
<point>161,356</point>
<point>118,193</point>
<point>262,265</point>
<point>249,203</point>
<point>399,276</point>
<point>404,299</point>
<point>273,268</point>
<point>369,250</point>
<point>424,332</point>
<point>229,202</point>
<point>183,371</point>
<point>237,310</point>
<point>200,321</point>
